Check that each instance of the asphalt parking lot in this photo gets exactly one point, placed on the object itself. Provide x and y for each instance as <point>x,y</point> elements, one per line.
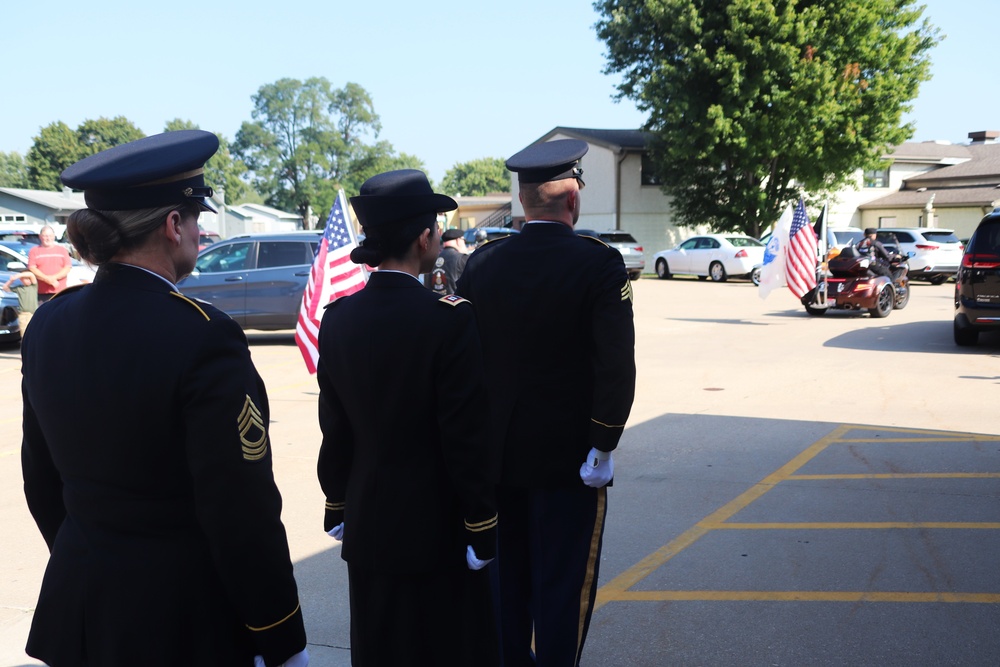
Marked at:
<point>789,491</point>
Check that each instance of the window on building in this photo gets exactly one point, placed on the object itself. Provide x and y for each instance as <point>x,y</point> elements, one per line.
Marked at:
<point>648,176</point>
<point>877,178</point>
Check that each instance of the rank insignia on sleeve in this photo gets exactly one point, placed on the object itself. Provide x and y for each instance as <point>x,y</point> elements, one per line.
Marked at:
<point>453,300</point>
<point>253,435</point>
<point>627,291</point>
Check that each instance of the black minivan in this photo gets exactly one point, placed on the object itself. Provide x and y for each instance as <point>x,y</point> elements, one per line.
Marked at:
<point>977,284</point>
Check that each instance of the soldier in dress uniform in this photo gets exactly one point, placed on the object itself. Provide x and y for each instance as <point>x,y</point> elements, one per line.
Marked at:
<point>149,476</point>
<point>554,311</point>
<point>405,465</point>
<point>450,263</point>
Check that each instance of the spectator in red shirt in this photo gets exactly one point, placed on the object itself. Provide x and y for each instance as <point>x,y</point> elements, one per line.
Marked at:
<point>50,263</point>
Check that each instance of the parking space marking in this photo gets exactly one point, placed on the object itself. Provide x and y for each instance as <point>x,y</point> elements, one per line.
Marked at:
<point>618,589</point>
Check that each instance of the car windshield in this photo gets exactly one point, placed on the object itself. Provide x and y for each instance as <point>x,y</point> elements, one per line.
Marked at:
<point>941,237</point>
<point>743,242</point>
<point>617,237</point>
<point>847,236</point>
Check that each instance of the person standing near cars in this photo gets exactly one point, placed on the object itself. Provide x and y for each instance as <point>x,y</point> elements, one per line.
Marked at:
<point>450,263</point>
<point>153,488</point>
<point>554,311</point>
<point>50,263</point>
<point>405,462</point>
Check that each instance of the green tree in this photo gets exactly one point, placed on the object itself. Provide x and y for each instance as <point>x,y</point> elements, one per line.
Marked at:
<point>13,171</point>
<point>754,102</point>
<point>477,178</point>
<point>57,147</point>
<point>307,139</point>
<point>222,171</point>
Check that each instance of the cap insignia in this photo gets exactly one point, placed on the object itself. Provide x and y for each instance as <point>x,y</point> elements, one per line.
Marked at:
<point>253,435</point>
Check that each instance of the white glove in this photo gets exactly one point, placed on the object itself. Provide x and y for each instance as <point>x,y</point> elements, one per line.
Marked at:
<point>300,659</point>
<point>475,563</point>
<point>598,469</point>
<point>337,532</point>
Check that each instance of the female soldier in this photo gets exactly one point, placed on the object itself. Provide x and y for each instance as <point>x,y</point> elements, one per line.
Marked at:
<point>405,465</point>
<point>151,483</point>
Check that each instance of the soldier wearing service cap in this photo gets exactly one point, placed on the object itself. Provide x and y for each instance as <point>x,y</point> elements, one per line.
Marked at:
<point>450,263</point>
<point>152,487</point>
<point>554,311</point>
<point>405,465</point>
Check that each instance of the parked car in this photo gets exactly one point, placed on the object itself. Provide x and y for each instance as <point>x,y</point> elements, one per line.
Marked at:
<point>977,283</point>
<point>492,233</point>
<point>10,328</point>
<point>937,253</point>
<point>623,242</point>
<point>258,279</point>
<point>207,238</point>
<point>715,256</point>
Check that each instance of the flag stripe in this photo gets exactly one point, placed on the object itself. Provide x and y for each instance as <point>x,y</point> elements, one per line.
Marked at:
<point>332,276</point>
<point>800,264</point>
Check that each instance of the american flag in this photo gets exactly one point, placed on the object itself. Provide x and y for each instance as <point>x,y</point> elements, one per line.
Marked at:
<point>800,262</point>
<point>333,275</point>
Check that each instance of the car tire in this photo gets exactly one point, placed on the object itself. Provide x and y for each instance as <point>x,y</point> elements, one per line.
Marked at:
<point>939,280</point>
<point>702,277</point>
<point>717,272</point>
<point>662,270</point>
<point>634,275</point>
<point>965,336</point>
<point>755,276</point>
<point>883,304</point>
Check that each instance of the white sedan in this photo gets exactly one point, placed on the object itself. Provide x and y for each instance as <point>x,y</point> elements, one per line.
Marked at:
<point>715,256</point>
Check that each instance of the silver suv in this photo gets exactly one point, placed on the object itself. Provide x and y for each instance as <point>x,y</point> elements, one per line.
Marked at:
<point>623,242</point>
<point>937,253</point>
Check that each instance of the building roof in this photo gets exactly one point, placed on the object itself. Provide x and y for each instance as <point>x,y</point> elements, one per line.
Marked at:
<point>944,197</point>
<point>984,164</point>
<point>614,139</point>
<point>65,200</point>
<point>488,200</point>
<point>253,210</point>
<point>931,152</point>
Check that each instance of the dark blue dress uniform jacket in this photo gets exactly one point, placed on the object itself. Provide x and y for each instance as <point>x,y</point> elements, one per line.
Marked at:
<point>559,345</point>
<point>148,471</point>
<point>405,461</point>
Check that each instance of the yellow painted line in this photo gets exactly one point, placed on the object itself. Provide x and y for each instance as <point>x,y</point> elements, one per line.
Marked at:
<point>845,525</point>
<point>652,562</point>
<point>905,475</point>
<point>9,452</point>
<point>803,596</point>
<point>967,438</point>
<point>948,435</point>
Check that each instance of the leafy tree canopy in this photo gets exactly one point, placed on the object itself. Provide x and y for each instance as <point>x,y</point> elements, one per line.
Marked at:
<point>57,147</point>
<point>307,139</point>
<point>477,178</point>
<point>13,171</point>
<point>752,102</point>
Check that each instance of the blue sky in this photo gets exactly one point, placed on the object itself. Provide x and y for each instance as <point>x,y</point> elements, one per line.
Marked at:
<point>452,80</point>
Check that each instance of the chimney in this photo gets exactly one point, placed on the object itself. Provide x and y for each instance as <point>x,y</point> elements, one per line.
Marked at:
<point>984,137</point>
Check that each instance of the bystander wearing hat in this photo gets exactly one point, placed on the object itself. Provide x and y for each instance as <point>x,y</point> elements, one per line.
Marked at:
<point>405,462</point>
<point>554,311</point>
<point>153,489</point>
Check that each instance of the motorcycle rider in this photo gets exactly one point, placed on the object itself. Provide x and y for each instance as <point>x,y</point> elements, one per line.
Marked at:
<point>876,252</point>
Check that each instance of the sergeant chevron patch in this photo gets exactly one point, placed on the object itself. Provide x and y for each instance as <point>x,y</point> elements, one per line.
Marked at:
<point>253,435</point>
<point>627,291</point>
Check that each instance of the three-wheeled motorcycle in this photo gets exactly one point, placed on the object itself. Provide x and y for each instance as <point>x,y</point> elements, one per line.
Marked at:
<point>847,284</point>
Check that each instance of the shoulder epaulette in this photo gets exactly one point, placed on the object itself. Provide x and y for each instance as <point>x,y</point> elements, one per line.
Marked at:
<point>593,238</point>
<point>69,290</point>
<point>192,303</point>
<point>453,300</point>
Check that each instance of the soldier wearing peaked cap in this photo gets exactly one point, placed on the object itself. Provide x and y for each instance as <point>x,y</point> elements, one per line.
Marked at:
<point>450,263</point>
<point>153,488</point>
<point>558,399</point>
<point>408,476</point>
